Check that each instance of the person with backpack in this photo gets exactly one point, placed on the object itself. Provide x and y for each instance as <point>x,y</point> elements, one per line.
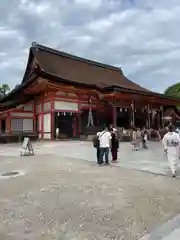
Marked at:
<point>96,145</point>
<point>104,138</point>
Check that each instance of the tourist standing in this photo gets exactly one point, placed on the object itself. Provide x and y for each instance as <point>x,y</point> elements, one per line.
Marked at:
<point>145,139</point>
<point>104,138</point>
<point>136,139</point>
<point>96,145</point>
<point>114,145</point>
<point>171,143</point>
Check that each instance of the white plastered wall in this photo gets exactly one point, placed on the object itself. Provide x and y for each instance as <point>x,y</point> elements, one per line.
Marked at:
<point>16,125</point>
<point>22,125</point>
<point>28,125</point>
<point>65,106</point>
<point>47,126</point>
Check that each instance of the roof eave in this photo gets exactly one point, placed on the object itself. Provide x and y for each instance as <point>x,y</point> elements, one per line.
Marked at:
<point>18,89</point>
<point>118,89</point>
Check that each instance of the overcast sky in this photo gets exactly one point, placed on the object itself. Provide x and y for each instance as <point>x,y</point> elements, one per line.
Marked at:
<point>140,36</point>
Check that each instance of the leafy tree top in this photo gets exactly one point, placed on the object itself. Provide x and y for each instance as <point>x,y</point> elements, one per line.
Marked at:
<point>4,89</point>
<point>173,91</point>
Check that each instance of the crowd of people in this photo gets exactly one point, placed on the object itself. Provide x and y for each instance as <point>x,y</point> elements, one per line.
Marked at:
<point>107,141</point>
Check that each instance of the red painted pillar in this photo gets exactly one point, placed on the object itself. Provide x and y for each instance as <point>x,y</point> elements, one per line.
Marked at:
<point>114,116</point>
<point>52,120</point>
<point>79,119</point>
<point>42,119</point>
<point>34,119</point>
<point>79,124</point>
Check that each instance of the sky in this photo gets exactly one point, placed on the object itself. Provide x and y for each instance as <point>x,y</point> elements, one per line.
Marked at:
<point>141,37</point>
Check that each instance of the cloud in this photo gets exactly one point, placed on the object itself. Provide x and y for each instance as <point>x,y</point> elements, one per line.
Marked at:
<point>141,37</point>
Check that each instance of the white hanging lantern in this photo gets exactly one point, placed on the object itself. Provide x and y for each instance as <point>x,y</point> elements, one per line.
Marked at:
<point>90,118</point>
<point>58,114</point>
<point>64,114</point>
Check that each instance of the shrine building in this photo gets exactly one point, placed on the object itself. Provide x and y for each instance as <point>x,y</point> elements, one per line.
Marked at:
<point>76,96</point>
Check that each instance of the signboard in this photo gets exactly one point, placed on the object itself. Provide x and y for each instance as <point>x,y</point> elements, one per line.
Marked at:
<point>27,148</point>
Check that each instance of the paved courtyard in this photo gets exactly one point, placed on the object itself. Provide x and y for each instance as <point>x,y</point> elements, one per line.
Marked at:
<point>62,194</point>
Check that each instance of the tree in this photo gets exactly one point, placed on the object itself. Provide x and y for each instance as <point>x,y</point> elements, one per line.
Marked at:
<point>173,91</point>
<point>4,89</point>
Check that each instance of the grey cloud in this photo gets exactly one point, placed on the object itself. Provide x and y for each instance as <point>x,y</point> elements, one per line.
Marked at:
<point>140,36</point>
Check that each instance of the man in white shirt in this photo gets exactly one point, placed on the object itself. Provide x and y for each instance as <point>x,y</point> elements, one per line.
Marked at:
<point>104,145</point>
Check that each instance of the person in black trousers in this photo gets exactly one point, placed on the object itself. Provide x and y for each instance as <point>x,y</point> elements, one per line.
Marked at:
<point>96,145</point>
<point>114,145</point>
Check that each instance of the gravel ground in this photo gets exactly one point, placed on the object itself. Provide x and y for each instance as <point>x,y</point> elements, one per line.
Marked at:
<point>66,199</point>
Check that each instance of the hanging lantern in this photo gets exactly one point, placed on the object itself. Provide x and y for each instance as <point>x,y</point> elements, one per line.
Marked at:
<point>120,109</point>
<point>64,114</point>
<point>90,100</point>
<point>58,114</point>
<point>90,116</point>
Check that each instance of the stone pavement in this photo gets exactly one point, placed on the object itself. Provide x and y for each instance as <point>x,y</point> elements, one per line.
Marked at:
<point>60,196</point>
<point>168,231</point>
<point>151,160</point>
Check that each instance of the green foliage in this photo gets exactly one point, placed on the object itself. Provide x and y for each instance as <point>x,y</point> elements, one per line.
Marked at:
<point>173,91</point>
<point>4,89</point>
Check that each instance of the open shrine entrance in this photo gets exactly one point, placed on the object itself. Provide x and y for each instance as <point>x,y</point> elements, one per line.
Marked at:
<point>92,120</point>
<point>140,118</point>
<point>66,123</point>
<point>123,117</point>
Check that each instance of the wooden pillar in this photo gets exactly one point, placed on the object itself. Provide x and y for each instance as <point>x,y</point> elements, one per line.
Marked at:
<point>42,119</point>
<point>52,120</point>
<point>0,125</point>
<point>79,118</point>
<point>114,115</point>
<point>74,126</point>
<point>133,117</point>
<point>158,119</point>
<point>148,116</point>
<point>8,123</point>
<point>162,116</point>
<point>79,123</point>
<point>34,119</point>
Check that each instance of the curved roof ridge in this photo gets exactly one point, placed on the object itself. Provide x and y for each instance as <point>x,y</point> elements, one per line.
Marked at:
<point>69,55</point>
